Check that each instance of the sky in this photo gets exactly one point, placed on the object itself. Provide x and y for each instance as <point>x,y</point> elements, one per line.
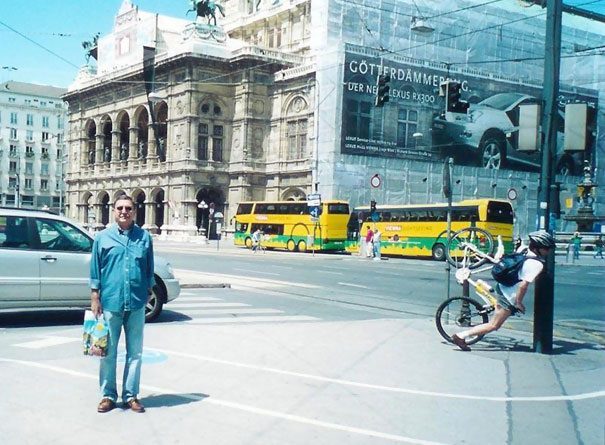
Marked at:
<point>40,40</point>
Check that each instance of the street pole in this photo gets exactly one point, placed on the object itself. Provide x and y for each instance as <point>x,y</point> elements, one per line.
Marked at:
<point>544,289</point>
<point>447,191</point>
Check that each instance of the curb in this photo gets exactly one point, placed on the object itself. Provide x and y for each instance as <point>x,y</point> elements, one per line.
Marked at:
<point>205,285</point>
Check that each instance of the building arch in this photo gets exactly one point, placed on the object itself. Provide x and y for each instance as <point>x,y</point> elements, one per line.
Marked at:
<point>139,197</point>
<point>106,125</point>
<point>141,120</point>
<point>90,135</point>
<point>158,197</point>
<point>209,201</point>
<point>294,194</point>
<point>123,125</point>
<point>161,117</point>
<point>103,200</point>
<point>87,205</point>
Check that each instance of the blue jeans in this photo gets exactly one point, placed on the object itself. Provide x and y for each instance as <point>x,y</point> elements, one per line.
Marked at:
<point>133,323</point>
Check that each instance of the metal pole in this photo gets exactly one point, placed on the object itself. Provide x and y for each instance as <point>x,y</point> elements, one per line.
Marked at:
<point>447,189</point>
<point>544,289</point>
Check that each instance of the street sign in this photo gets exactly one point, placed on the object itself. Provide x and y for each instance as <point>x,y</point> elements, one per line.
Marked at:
<point>315,211</point>
<point>314,200</point>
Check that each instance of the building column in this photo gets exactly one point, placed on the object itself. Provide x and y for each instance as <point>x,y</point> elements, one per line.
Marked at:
<point>84,155</point>
<point>133,143</point>
<point>151,147</point>
<point>150,217</point>
<point>99,158</point>
<point>193,124</point>
<point>115,145</point>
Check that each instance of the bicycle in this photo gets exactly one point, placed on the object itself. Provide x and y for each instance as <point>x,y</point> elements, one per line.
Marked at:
<point>468,250</point>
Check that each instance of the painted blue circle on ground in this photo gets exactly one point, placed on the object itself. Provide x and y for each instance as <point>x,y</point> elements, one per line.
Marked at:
<point>149,357</point>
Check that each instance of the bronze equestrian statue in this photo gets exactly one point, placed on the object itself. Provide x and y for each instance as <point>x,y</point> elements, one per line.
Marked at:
<point>206,8</point>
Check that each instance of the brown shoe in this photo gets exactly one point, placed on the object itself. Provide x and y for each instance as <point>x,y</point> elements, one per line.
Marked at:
<point>458,341</point>
<point>106,405</point>
<point>135,405</point>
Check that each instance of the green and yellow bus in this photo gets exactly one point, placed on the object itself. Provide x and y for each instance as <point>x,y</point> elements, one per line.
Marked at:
<point>288,225</point>
<point>421,229</point>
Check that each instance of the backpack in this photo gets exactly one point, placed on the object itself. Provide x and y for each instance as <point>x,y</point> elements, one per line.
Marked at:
<point>506,271</point>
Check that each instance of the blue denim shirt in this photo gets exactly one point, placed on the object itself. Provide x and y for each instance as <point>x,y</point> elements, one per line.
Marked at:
<point>121,268</point>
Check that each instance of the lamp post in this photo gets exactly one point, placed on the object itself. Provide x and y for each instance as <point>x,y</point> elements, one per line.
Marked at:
<point>202,205</point>
<point>62,183</point>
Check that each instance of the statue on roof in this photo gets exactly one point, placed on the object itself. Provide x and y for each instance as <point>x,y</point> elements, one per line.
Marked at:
<point>91,47</point>
<point>206,8</point>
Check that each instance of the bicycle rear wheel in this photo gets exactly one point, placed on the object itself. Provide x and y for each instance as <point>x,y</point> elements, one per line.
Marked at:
<point>459,253</point>
<point>460,313</point>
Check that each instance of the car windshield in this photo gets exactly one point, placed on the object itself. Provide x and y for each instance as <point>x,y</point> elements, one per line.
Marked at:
<point>501,101</point>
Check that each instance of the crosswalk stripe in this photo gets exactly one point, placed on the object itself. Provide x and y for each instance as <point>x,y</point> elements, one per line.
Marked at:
<point>233,311</point>
<point>46,342</point>
<point>195,299</point>
<point>205,304</point>
<point>259,319</point>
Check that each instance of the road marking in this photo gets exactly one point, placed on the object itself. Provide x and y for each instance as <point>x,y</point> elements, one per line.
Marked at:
<point>205,304</point>
<point>258,319</point>
<point>233,311</point>
<point>239,406</point>
<point>256,271</point>
<point>583,396</point>
<point>353,285</point>
<point>330,272</point>
<point>183,274</point>
<point>193,300</point>
<point>47,342</point>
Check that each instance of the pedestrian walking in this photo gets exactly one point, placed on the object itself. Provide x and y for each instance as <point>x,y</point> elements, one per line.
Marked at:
<point>598,247</point>
<point>256,235</point>
<point>369,245</point>
<point>121,282</point>
<point>577,244</point>
<point>510,298</point>
<point>376,239</point>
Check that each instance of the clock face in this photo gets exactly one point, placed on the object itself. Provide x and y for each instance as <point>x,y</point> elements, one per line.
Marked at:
<point>512,194</point>
<point>375,181</point>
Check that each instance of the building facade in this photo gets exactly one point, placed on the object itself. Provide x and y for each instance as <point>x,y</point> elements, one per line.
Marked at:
<point>32,145</point>
<point>268,106</point>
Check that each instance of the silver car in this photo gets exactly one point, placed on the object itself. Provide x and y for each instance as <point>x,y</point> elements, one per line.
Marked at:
<point>45,263</point>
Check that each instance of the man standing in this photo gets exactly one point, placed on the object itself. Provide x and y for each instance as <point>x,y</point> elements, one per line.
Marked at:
<point>376,240</point>
<point>510,298</point>
<point>121,281</point>
<point>369,245</point>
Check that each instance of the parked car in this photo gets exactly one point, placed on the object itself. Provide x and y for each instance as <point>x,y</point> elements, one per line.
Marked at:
<point>488,134</point>
<point>45,263</point>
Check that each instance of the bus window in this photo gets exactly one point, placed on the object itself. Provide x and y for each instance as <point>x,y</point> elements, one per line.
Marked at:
<point>241,227</point>
<point>244,209</point>
<point>338,209</point>
<point>500,212</point>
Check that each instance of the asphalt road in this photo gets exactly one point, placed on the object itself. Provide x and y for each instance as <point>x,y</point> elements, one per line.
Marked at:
<point>398,286</point>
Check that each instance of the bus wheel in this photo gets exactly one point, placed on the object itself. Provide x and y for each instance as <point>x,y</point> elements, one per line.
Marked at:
<point>439,252</point>
<point>291,245</point>
<point>302,246</point>
<point>248,243</point>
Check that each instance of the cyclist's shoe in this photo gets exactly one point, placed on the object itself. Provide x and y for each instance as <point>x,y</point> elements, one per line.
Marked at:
<point>458,341</point>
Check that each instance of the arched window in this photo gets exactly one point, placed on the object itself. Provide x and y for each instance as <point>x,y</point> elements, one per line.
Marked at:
<point>211,133</point>
<point>296,128</point>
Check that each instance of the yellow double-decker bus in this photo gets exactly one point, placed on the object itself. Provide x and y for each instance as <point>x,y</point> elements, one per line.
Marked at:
<point>421,229</point>
<point>288,225</point>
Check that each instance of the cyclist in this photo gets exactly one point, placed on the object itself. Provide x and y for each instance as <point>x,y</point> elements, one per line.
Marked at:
<point>510,299</point>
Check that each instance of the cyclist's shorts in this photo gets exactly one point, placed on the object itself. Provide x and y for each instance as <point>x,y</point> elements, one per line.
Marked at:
<point>504,303</point>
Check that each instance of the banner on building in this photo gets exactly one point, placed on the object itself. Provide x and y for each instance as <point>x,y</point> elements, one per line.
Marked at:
<point>413,124</point>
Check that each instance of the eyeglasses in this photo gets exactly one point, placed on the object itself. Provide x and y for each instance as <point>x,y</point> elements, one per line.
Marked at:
<point>126,209</point>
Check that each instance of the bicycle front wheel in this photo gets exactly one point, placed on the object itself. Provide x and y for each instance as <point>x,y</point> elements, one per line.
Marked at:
<point>460,313</point>
<point>469,248</point>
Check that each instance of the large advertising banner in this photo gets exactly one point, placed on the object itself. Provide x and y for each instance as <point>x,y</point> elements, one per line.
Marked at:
<point>413,123</point>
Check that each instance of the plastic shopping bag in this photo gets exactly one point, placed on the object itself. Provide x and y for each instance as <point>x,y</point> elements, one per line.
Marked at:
<point>95,336</point>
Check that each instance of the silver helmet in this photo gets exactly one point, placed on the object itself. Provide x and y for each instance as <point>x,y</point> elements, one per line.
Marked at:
<point>541,239</point>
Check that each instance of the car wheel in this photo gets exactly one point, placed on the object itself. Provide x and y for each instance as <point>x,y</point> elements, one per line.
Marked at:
<point>492,153</point>
<point>302,246</point>
<point>291,245</point>
<point>439,252</point>
<point>155,303</point>
<point>248,243</point>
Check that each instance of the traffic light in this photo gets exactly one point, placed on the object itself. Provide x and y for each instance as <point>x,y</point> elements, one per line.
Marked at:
<point>372,206</point>
<point>382,90</point>
<point>453,104</point>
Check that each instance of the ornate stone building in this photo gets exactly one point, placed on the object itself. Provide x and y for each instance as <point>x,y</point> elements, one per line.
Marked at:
<point>218,127</point>
<point>278,101</point>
